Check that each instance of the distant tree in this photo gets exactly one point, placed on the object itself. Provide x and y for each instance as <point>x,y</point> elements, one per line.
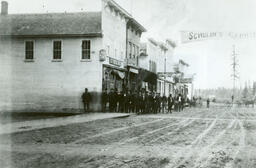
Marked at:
<point>245,91</point>
<point>254,88</point>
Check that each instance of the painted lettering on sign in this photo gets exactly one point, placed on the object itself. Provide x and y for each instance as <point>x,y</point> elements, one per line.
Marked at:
<point>190,36</point>
<point>115,62</point>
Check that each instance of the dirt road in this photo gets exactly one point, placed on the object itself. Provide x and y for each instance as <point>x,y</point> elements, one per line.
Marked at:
<point>195,138</point>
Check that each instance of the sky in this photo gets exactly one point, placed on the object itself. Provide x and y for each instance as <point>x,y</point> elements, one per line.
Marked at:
<point>209,59</point>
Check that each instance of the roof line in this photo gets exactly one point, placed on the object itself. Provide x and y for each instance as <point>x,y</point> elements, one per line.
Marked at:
<point>113,3</point>
<point>55,35</point>
<point>51,13</point>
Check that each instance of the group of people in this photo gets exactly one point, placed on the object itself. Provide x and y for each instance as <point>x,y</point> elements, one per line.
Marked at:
<point>140,102</point>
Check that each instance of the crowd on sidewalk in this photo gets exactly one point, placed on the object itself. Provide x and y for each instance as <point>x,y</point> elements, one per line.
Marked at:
<point>140,102</point>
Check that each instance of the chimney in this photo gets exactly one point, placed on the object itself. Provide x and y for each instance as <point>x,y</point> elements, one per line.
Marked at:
<point>4,9</point>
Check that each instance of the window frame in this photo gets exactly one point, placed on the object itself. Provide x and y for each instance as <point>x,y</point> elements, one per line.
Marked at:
<point>25,51</point>
<point>82,50</point>
<point>130,50</point>
<point>61,51</point>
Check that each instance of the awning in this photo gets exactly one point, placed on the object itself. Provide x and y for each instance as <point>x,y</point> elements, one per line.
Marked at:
<point>136,71</point>
<point>121,74</point>
<point>148,76</point>
<point>118,73</point>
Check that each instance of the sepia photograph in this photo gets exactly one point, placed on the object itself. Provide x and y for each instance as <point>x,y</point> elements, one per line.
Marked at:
<point>127,84</point>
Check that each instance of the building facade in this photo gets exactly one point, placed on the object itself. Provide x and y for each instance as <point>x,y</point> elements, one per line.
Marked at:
<point>134,31</point>
<point>47,60</point>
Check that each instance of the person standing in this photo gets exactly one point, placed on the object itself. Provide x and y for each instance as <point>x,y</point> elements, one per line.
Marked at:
<point>86,97</point>
<point>170,103</point>
<point>164,100</point>
<point>182,102</point>
<point>179,102</point>
<point>104,100</point>
<point>158,103</point>
<point>143,103</point>
<point>137,102</point>
<point>125,102</point>
<point>120,102</point>
<point>154,104</point>
<point>208,102</point>
<point>129,101</point>
<point>112,100</point>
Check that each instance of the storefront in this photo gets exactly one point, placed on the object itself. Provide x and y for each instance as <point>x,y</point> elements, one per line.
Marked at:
<point>113,78</point>
<point>148,80</point>
<point>132,78</point>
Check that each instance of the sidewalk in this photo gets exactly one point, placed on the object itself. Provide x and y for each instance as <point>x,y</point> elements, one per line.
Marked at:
<point>54,122</point>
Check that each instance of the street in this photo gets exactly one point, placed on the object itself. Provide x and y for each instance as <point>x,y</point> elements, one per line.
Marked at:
<point>194,138</point>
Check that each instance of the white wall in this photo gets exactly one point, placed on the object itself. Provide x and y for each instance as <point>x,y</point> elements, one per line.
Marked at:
<point>44,85</point>
<point>114,32</point>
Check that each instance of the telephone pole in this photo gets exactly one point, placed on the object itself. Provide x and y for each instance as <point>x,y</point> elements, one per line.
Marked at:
<point>234,71</point>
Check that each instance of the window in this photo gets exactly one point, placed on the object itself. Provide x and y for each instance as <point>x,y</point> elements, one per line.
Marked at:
<point>57,50</point>
<point>133,51</point>
<point>130,50</point>
<point>138,51</point>
<point>86,49</point>
<point>29,50</point>
<point>108,49</point>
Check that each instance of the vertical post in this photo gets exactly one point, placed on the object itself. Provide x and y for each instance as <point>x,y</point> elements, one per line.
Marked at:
<point>234,75</point>
<point>164,71</point>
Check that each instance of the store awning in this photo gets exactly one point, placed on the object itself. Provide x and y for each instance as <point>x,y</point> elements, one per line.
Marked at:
<point>118,73</point>
<point>148,76</point>
<point>136,71</point>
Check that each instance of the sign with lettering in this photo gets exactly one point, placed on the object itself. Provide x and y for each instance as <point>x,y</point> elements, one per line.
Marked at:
<point>115,62</point>
<point>191,36</point>
<point>186,80</point>
<point>165,74</point>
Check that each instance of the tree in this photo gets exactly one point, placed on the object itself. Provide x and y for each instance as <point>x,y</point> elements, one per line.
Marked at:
<point>245,91</point>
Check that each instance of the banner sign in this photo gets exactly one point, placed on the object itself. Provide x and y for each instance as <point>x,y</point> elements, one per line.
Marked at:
<point>190,36</point>
<point>165,74</point>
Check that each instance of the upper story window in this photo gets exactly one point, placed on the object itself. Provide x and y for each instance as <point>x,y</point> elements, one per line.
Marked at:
<point>108,50</point>
<point>133,53</point>
<point>57,50</point>
<point>137,51</point>
<point>86,49</point>
<point>115,53</point>
<point>29,50</point>
<point>130,50</point>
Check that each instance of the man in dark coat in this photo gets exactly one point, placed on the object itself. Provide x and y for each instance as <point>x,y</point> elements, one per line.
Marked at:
<point>112,100</point>
<point>164,101</point>
<point>129,101</point>
<point>125,102</point>
<point>104,100</point>
<point>170,103</point>
<point>158,103</point>
<point>121,102</point>
<point>208,103</point>
<point>154,103</point>
<point>86,97</point>
<point>143,103</point>
<point>137,102</point>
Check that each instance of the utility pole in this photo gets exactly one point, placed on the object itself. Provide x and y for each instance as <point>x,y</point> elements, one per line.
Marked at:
<point>234,71</point>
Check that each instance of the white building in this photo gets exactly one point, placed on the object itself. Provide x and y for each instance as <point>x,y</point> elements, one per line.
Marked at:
<point>158,58</point>
<point>47,60</point>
